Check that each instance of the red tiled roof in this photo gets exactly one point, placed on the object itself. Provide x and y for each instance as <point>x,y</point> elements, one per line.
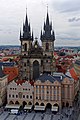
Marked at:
<point>5,59</point>
<point>12,72</point>
<point>32,82</point>
<point>20,82</point>
<point>73,74</point>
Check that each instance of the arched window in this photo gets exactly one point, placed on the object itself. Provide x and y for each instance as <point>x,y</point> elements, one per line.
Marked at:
<point>25,47</point>
<point>29,103</point>
<point>27,96</point>
<point>47,46</point>
<point>35,69</point>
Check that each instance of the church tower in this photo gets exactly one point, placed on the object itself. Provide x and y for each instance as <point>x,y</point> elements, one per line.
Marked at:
<point>26,40</point>
<point>47,37</point>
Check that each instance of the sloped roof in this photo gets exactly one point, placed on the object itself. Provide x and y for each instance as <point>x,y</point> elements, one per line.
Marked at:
<point>51,78</point>
<point>12,72</point>
<point>73,74</point>
<point>46,77</point>
<point>20,82</point>
<point>1,73</point>
<point>7,63</point>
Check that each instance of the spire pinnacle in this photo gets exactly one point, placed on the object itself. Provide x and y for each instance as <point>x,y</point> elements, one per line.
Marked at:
<point>47,19</point>
<point>20,33</point>
<point>26,8</point>
<point>41,35</point>
<point>32,36</point>
<point>47,8</point>
<point>26,20</point>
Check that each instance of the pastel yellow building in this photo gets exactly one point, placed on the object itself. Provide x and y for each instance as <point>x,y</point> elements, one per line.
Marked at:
<point>57,90</point>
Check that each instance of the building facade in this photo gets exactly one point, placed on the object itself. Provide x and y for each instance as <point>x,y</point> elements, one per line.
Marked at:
<point>48,91</point>
<point>36,59</point>
<point>56,90</point>
<point>20,93</point>
<point>3,87</point>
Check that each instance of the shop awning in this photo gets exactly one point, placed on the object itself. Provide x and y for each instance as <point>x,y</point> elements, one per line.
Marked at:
<point>37,107</point>
<point>54,108</point>
<point>12,106</point>
<point>28,107</point>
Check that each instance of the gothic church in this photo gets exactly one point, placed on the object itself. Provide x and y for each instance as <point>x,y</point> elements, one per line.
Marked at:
<point>35,59</point>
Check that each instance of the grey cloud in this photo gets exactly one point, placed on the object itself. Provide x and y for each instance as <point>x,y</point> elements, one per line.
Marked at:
<point>66,6</point>
<point>69,39</point>
<point>68,36</point>
<point>74,19</point>
<point>1,30</point>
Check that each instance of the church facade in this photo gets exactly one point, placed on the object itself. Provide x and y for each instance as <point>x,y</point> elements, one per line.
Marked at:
<point>35,59</point>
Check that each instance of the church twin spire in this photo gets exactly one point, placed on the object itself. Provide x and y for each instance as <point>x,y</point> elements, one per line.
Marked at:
<point>26,31</point>
<point>47,34</point>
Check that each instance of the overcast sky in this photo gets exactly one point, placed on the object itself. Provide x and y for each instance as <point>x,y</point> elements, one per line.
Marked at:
<point>64,14</point>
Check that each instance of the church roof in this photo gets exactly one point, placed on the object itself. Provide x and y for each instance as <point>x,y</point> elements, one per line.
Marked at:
<point>51,78</point>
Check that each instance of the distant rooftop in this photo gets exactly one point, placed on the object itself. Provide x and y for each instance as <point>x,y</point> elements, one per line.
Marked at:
<point>57,76</point>
<point>7,64</point>
<point>77,62</point>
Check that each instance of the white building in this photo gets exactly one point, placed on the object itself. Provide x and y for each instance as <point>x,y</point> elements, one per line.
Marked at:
<point>20,93</point>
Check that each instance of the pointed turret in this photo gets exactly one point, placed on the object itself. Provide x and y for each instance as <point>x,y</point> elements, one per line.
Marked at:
<point>53,35</point>
<point>29,28</point>
<point>32,36</point>
<point>20,34</point>
<point>26,20</point>
<point>47,19</point>
<point>26,30</point>
<point>47,33</point>
<point>51,26</point>
<point>41,35</point>
<point>44,25</point>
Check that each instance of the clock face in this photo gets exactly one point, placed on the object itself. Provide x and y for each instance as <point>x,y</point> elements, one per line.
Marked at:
<point>35,46</point>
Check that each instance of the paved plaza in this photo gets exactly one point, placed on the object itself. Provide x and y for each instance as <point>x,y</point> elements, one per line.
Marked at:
<point>64,114</point>
<point>5,115</point>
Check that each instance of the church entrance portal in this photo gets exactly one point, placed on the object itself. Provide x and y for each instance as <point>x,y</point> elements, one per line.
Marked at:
<point>35,69</point>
